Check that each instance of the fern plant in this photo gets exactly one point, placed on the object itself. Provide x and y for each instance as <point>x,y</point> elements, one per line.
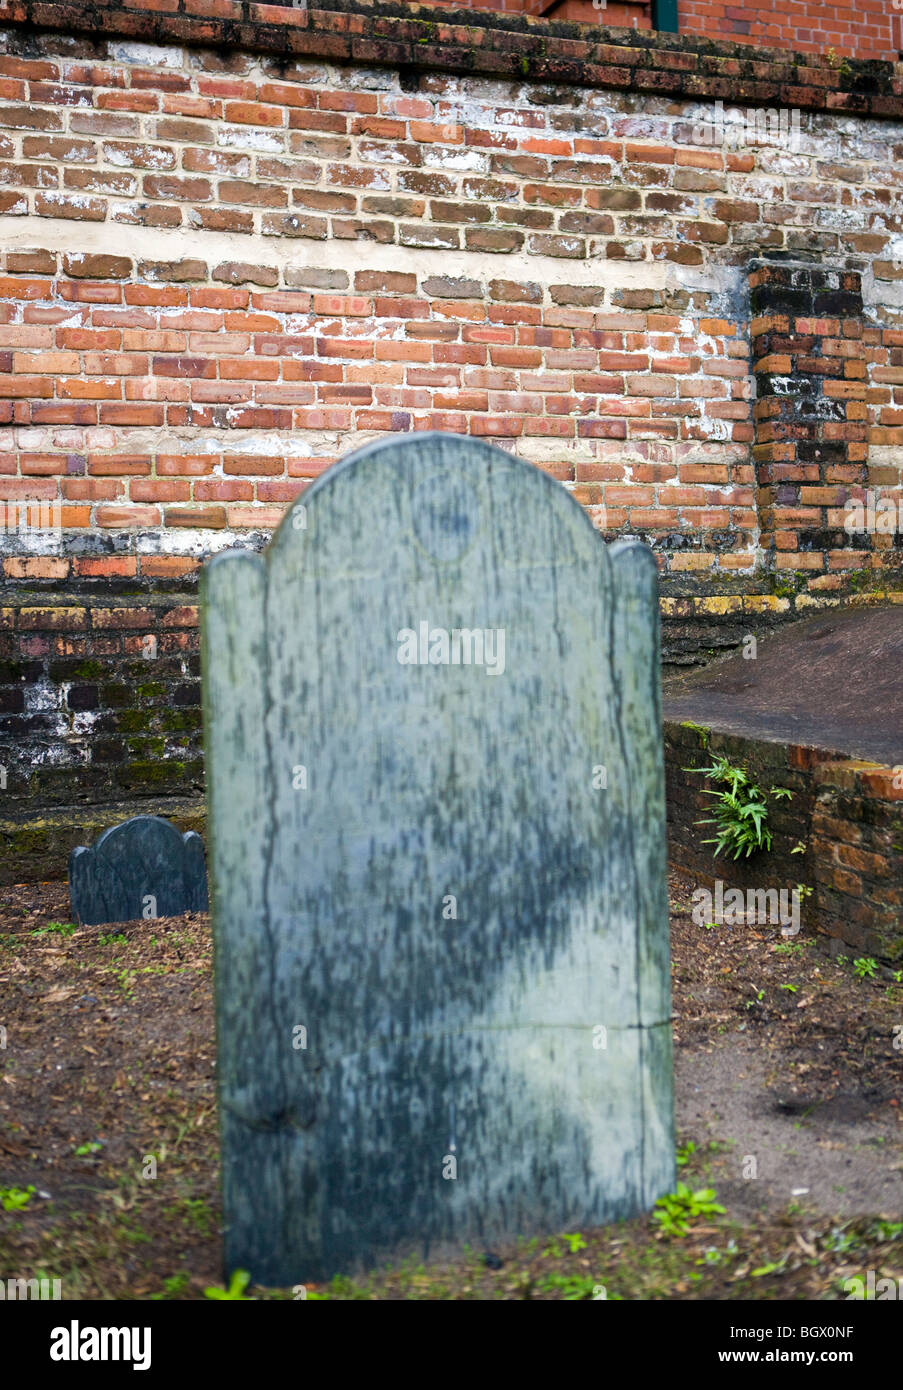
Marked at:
<point>740,813</point>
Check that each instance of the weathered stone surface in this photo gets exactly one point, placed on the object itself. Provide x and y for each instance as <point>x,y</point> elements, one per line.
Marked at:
<point>143,868</point>
<point>429,911</point>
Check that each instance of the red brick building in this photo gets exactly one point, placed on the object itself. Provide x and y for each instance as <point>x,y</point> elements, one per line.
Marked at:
<point>867,29</point>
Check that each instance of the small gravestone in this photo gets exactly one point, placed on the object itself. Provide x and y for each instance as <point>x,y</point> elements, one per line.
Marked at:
<point>436,800</point>
<point>141,868</point>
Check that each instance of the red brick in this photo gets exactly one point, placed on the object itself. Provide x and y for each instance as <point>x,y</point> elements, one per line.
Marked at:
<point>106,566</point>
<point>204,517</point>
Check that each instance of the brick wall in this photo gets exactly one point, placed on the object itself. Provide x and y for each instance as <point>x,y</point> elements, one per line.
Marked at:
<point>812,357</point>
<point>99,705</point>
<point>867,29</point>
<point>117,681</point>
<point>864,29</point>
<point>770,764</point>
<point>846,815</point>
<point>857,850</point>
<point>238,246</point>
<point>626,14</point>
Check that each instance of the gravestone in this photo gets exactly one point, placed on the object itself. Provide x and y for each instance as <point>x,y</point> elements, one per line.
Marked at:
<point>141,868</point>
<point>437,837</point>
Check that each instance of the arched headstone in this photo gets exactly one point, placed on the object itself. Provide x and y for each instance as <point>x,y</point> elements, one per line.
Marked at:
<point>437,841</point>
<point>142,868</point>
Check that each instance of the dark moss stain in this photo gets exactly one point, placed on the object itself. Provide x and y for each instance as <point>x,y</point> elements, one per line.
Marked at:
<point>147,747</point>
<point>135,720</point>
<point>115,696</point>
<point>157,773</point>
<point>30,841</point>
<point>176,721</point>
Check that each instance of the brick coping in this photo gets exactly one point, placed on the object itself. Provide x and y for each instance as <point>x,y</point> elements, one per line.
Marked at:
<point>420,38</point>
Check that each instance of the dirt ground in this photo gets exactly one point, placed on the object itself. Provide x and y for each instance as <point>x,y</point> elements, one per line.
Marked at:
<point>788,1106</point>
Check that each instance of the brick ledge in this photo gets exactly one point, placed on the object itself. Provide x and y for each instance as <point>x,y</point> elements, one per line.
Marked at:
<point>420,38</point>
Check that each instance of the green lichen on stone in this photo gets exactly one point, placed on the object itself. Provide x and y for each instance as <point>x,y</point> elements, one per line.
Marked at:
<point>158,772</point>
<point>30,840</point>
<point>133,721</point>
<point>88,670</point>
<point>788,584</point>
<point>700,729</point>
<point>180,720</point>
<point>864,581</point>
<point>148,747</point>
